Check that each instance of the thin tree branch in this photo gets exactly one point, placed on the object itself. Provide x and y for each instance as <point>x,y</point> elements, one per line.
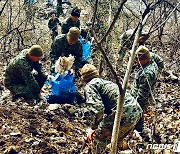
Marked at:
<point>26,30</point>
<point>99,44</point>
<point>133,13</point>
<point>93,21</point>
<point>111,67</point>
<point>172,5</point>
<point>113,22</point>
<point>22,40</point>
<point>164,20</point>
<point>3,7</point>
<point>9,32</point>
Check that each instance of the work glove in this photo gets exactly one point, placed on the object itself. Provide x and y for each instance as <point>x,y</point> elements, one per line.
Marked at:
<point>71,71</point>
<point>90,134</point>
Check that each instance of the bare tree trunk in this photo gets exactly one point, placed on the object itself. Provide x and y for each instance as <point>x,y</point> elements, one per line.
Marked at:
<point>3,7</point>
<point>120,101</point>
<point>110,12</point>
<point>175,14</point>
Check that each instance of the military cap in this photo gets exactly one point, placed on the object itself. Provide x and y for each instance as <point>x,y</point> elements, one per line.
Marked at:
<point>89,72</point>
<point>52,12</point>
<point>36,51</point>
<point>73,34</point>
<point>142,50</point>
<point>76,12</point>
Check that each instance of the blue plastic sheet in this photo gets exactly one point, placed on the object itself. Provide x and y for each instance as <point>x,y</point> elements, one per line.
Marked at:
<point>86,47</point>
<point>63,90</point>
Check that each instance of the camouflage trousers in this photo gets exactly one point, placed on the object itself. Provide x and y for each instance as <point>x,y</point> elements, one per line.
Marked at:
<point>104,133</point>
<point>23,89</point>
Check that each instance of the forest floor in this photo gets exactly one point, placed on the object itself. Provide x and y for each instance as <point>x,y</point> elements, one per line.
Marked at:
<point>43,128</point>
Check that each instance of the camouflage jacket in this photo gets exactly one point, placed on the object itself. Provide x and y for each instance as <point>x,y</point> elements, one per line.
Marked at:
<point>60,47</point>
<point>66,25</point>
<point>19,71</point>
<point>144,83</point>
<point>124,39</point>
<point>52,24</point>
<point>158,60</point>
<point>126,43</point>
<point>101,97</point>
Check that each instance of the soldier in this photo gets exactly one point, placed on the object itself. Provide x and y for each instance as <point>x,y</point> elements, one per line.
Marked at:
<point>101,98</point>
<point>18,75</point>
<point>59,8</point>
<point>66,44</point>
<point>52,24</point>
<point>145,79</point>
<point>126,43</point>
<point>86,32</point>
<point>72,21</point>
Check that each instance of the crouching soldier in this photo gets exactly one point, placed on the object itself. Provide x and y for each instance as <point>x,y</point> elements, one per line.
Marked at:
<point>101,98</point>
<point>18,75</point>
<point>72,21</point>
<point>150,67</point>
<point>66,44</point>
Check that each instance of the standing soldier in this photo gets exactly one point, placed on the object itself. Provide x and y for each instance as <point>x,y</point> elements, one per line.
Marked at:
<point>18,75</point>
<point>72,21</point>
<point>66,44</point>
<point>101,99</point>
<point>126,42</point>
<point>145,79</point>
<point>59,8</point>
<point>52,24</point>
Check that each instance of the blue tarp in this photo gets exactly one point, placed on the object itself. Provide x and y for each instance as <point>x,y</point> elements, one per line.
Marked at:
<point>63,90</point>
<point>86,47</point>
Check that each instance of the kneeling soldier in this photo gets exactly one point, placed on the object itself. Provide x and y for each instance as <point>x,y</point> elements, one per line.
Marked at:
<point>18,75</point>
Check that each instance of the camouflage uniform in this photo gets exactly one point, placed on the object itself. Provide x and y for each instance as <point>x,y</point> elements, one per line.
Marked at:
<point>68,24</point>
<point>59,8</point>
<point>52,24</point>
<point>60,47</point>
<point>19,78</point>
<point>144,84</point>
<point>158,60</point>
<point>125,43</point>
<point>145,80</point>
<point>101,97</point>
